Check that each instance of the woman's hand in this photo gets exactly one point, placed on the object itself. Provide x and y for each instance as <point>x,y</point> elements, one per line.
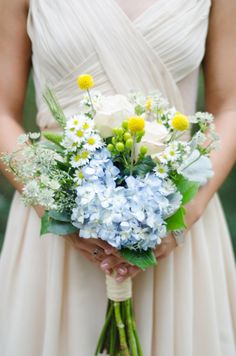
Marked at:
<point>167,246</point>
<point>97,251</point>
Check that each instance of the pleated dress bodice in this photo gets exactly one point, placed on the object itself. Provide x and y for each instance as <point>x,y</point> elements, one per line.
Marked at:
<point>160,50</point>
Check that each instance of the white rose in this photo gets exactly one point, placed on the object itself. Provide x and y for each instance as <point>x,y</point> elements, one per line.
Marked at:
<point>111,112</point>
<point>154,137</point>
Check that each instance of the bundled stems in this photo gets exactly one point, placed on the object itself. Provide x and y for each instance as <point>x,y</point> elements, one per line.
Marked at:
<point>121,328</point>
<point>119,334</point>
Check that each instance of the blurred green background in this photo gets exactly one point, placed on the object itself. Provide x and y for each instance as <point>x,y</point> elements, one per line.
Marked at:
<point>227,192</point>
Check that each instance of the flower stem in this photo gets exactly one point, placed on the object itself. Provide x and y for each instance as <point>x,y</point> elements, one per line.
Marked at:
<point>131,335</point>
<point>113,337</point>
<point>104,330</point>
<point>133,155</point>
<point>140,352</point>
<point>121,328</point>
<point>91,101</point>
<point>195,160</point>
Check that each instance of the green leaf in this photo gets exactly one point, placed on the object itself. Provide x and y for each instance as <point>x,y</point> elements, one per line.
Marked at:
<point>51,226</point>
<point>139,110</point>
<point>56,215</point>
<point>145,166</point>
<point>44,224</point>
<point>54,107</point>
<point>53,137</point>
<point>141,259</point>
<point>187,188</point>
<point>176,221</point>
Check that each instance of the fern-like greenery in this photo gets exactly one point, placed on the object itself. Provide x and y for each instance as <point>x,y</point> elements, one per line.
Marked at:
<point>54,107</point>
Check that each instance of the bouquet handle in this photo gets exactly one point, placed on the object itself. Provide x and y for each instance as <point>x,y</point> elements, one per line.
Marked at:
<point>119,334</point>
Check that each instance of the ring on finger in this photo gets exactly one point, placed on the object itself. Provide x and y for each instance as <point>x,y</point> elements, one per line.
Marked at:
<point>97,253</point>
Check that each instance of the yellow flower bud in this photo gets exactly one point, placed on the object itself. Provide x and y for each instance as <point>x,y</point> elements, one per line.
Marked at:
<point>136,124</point>
<point>85,81</point>
<point>148,104</point>
<point>180,122</point>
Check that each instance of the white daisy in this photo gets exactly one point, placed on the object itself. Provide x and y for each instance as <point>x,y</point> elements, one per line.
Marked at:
<point>70,144</point>
<point>75,122</point>
<point>78,177</point>
<point>79,136</point>
<point>161,157</point>
<point>88,125</point>
<point>93,142</point>
<point>76,161</point>
<point>161,171</point>
<point>85,156</point>
<point>172,153</point>
<point>80,159</point>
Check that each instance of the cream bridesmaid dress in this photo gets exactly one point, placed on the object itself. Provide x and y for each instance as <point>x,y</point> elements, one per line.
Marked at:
<point>52,299</point>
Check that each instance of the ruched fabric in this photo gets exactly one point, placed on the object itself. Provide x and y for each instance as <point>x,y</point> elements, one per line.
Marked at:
<point>52,299</point>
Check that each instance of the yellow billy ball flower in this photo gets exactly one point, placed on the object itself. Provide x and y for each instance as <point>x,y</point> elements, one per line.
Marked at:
<point>85,81</point>
<point>136,124</point>
<point>180,122</point>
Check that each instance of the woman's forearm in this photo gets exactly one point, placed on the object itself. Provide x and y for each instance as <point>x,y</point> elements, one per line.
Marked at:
<point>10,130</point>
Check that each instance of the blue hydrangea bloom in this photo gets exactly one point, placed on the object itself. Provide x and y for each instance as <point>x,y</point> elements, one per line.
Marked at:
<point>129,216</point>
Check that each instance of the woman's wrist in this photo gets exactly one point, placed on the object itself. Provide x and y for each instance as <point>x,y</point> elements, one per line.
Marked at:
<point>196,208</point>
<point>39,210</point>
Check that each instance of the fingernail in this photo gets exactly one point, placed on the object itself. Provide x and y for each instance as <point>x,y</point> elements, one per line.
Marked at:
<point>119,279</point>
<point>108,251</point>
<point>104,265</point>
<point>122,270</point>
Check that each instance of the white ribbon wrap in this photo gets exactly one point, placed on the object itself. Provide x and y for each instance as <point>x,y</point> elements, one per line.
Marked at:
<point>118,292</point>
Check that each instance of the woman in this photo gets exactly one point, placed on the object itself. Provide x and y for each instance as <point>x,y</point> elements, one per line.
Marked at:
<point>53,298</point>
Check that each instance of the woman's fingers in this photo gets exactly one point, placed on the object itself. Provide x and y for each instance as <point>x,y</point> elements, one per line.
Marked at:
<point>132,272</point>
<point>109,263</point>
<point>122,269</point>
<point>160,250</point>
<point>167,246</point>
<point>104,256</point>
<point>94,251</point>
<point>92,242</point>
<point>108,249</point>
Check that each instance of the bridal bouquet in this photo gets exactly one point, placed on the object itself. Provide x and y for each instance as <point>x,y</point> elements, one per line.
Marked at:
<point>120,170</point>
